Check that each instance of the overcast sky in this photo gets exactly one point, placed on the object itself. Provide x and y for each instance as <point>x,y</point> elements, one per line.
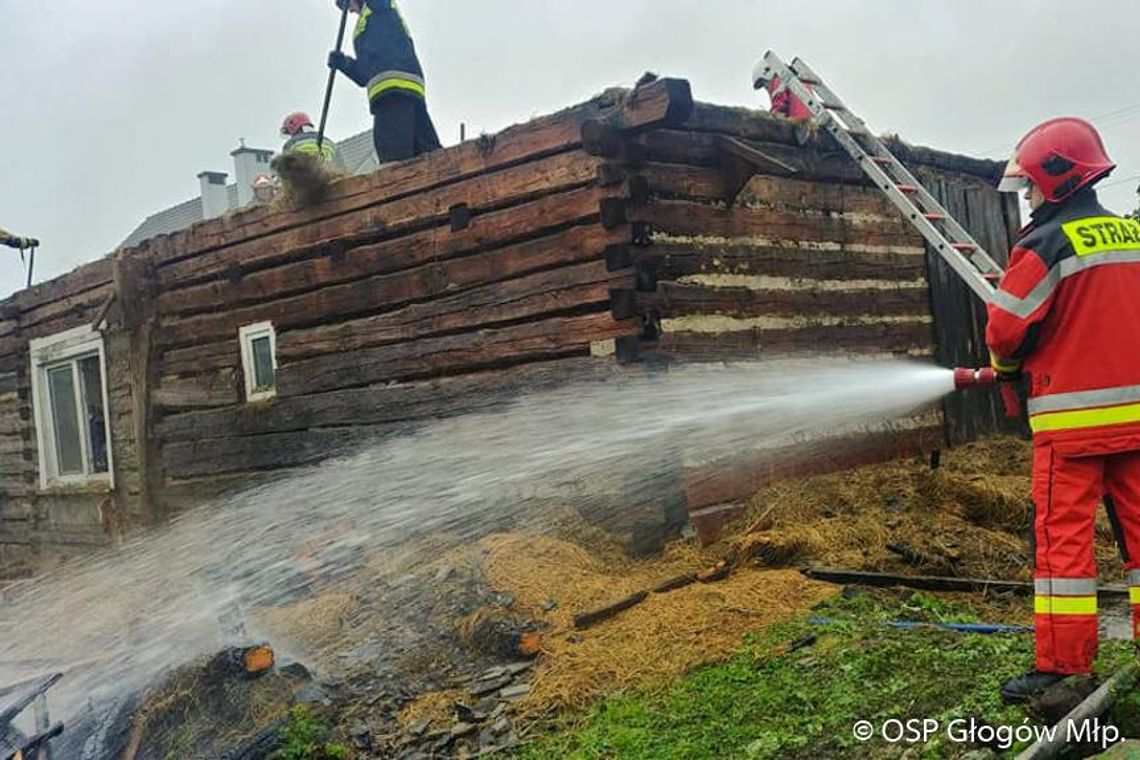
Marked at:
<point>111,108</point>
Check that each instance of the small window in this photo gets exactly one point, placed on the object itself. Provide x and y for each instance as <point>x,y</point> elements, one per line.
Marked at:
<point>259,360</point>
<point>70,401</point>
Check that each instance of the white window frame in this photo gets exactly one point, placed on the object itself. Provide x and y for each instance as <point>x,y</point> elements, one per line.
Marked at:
<point>46,353</point>
<point>246,336</point>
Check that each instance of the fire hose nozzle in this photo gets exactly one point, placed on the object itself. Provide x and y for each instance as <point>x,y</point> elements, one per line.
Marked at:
<point>969,377</point>
<point>987,377</point>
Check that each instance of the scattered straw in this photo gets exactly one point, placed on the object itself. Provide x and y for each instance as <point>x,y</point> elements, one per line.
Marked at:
<point>436,706</point>
<point>313,624</point>
<point>663,637</point>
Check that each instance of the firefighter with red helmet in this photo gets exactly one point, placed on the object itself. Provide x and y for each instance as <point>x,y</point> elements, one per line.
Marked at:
<point>1067,315</point>
<point>302,138</point>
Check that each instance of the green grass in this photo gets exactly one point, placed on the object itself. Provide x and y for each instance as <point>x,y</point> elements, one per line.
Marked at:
<point>303,738</point>
<point>764,704</point>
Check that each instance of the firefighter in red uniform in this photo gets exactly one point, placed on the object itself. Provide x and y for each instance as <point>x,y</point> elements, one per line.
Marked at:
<point>1067,314</point>
<point>784,102</point>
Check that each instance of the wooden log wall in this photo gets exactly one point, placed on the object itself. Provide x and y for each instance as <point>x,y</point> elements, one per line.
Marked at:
<point>418,291</point>
<point>763,239</point>
<point>38,529</point>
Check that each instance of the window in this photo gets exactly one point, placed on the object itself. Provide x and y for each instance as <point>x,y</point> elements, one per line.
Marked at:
<point>69,393</point>
<point>259,360</point>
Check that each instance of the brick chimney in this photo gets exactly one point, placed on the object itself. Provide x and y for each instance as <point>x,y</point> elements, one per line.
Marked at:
<point>248,163</point>
<point>215,198</point>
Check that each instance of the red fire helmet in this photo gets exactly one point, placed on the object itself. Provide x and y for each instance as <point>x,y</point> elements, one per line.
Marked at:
<point>1060,157</point>
<point>294,122</point>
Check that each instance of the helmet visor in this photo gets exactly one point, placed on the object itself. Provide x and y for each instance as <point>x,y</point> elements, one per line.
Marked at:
<point>1014,184</point>
<point>1014,179</point>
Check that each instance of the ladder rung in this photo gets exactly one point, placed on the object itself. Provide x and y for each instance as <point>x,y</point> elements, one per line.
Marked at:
<point>963,246</point>
<point>992,276</point>
<point>880,159</point>
<point>833,106</point>
<point>934,217</point>
<point>805,80</point>
<point>906,188</point>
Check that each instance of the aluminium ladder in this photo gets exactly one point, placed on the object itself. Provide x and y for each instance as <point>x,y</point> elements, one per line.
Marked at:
<point>944,234</point>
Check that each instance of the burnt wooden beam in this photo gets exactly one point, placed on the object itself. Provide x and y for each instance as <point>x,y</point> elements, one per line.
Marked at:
<point>272,451</point>
<point>662,103</point>
<point>628,349</point>
<point>608,142</point>
<point>618,257</point>
<point>64,313</point>
<point>612,212</point>
<point>623,304</point>
<point>740,162</point>
<point>547,339</point>
<point>593,617</point>
<point>686,219</point>
<point>757,125</point>
<point>219,388</point>
<point>84,278</point>
<point>884,337</point>
<point>671,261</point>
<point>673,299</point>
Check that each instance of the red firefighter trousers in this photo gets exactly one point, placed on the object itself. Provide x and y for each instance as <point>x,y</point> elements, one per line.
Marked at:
<point>1066,493</point>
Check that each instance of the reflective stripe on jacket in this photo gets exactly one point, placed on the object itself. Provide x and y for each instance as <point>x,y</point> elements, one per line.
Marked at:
<point>306,142</point>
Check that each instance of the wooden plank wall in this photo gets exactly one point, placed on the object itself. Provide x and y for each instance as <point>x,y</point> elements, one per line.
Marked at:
<point>761,240</point>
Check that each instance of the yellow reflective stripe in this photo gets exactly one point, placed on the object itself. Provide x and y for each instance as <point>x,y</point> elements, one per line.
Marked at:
<point>310,147</point>
<point>1003,365</point>
<point>1064,605</point>
<point>1102,233</point>
<point>1134,595</point>
<point>1085,418</point>
<point>389,84</point>
<point>362,22</point>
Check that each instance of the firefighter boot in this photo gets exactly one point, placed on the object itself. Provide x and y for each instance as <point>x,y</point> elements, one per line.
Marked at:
<point>1027,686</point>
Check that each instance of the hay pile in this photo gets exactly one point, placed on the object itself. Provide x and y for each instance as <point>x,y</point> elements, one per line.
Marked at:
<point>305,178</point>
<point>969,518</point>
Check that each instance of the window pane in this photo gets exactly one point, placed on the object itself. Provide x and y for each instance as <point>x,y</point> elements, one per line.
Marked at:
<point>262,363</point>
<point>91,375</point>
<point>68,448</point>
